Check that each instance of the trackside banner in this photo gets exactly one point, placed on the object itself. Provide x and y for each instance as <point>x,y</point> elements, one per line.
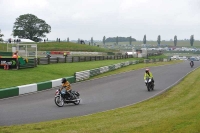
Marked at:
<point>12,62</point>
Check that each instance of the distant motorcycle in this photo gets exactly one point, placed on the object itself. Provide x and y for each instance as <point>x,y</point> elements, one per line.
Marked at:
<point>48,56</point>
<point>61,98</point>
<point>191,64</point>
<point>150,84</point>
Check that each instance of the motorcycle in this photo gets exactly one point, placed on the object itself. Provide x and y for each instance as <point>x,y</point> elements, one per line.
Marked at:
<point>61,98</point>
<point>149,83</point>
<point>191,64</point>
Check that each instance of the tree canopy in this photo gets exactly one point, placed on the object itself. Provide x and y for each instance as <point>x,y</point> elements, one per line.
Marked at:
<point>29,26</point>
<point>120,39</point>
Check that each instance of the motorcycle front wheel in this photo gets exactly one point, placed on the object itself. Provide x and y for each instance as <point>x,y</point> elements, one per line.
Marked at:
<point>59,101</point>
<point>148,87</point>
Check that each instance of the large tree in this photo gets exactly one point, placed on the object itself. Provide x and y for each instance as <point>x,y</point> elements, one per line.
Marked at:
<point>29,26</point>
<point>175,40</point>
<point>144,39</point>
<point>191,40</point>
<point>1,35</point>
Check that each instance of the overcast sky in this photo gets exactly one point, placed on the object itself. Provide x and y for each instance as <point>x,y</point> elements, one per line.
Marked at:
<point>97,18</point>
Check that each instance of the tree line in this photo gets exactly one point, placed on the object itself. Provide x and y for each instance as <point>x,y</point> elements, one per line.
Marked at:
<point>175,40</point>
<point>29,26</point>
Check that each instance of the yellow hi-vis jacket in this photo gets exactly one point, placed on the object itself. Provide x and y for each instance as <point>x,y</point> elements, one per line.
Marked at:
<point>150,75</point>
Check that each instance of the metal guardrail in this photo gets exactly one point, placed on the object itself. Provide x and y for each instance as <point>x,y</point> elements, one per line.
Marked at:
<point>70,59</point>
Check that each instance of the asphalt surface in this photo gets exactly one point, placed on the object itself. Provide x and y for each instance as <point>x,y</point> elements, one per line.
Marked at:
<point>97,95</point>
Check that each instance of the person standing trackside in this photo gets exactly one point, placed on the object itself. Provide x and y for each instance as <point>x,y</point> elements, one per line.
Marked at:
<point>15,55</point>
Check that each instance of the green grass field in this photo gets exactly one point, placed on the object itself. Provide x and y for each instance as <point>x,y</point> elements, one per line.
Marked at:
<point>62,46</point>
<point>175,111</point>
<point>169,43</point>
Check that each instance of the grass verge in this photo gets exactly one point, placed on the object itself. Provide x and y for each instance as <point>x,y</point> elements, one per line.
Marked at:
<point>48,72</point>
<point>176,110</point>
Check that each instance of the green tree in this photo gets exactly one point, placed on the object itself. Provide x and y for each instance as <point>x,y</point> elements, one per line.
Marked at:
<point>117,40</point>
<point>104,40</point>
<point>144,40</point>
<point>92,41</point>
<point>29,26</point>
<point>191,40</point>
<point>120,39</point>
<point>1,35</point>
<point>175,40</point>
<point>159,40</point>
<point>130,40</point>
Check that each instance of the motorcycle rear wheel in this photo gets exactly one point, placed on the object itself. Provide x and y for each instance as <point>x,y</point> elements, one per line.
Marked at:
<point>77,102</point>
<point>58,102</point>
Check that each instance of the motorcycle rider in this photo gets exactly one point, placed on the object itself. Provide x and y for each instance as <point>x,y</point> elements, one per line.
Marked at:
<point>148,74</point>
<point>66,85</point>
<point>191,63</point>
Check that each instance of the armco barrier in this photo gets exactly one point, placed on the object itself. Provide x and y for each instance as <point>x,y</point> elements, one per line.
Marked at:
<point>23,89</point>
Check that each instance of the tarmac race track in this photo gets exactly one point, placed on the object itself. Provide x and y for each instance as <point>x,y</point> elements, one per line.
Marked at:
<point>97,95</point>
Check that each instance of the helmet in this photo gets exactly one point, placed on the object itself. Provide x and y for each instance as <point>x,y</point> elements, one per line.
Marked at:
<point>146,70</point>
<point>64,80</point>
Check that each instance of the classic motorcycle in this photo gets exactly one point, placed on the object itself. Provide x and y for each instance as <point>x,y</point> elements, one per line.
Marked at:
<point>61,98</point>
<point>149,83</point>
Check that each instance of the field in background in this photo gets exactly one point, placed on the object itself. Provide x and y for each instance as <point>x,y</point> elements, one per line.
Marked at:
<point>169,43</point>
<point>62,46</point>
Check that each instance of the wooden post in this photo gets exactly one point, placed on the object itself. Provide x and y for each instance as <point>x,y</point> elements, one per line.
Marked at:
<point>38,61</point>
<point>48,60</point>
<point>35,62</point>
<point>57,59</point>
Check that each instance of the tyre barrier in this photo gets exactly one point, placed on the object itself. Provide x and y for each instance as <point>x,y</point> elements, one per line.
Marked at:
<point>83,75</point>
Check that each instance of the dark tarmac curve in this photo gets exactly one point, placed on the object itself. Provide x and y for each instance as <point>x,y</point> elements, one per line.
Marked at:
<point>97,95</point>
